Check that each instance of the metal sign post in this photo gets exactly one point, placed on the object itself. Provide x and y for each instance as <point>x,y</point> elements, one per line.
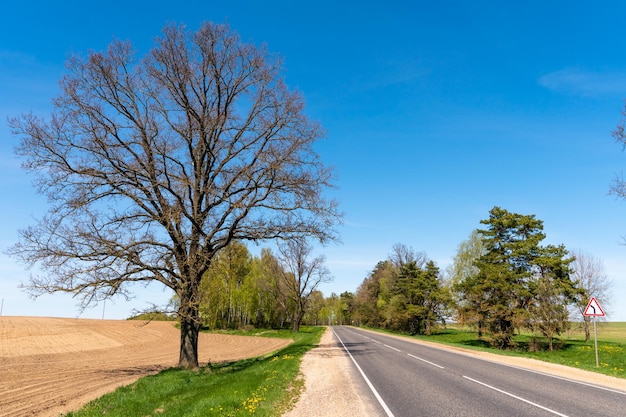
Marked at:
<point>594,310</point>
<point>595,341</point>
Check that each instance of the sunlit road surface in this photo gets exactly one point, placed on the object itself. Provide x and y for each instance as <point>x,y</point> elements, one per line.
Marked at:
<point>409,379</point>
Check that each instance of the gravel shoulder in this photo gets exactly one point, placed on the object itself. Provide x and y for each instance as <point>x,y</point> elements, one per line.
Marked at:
<point>333,387</point>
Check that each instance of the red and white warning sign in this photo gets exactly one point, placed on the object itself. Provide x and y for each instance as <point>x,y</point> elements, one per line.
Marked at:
<point>593,309</point>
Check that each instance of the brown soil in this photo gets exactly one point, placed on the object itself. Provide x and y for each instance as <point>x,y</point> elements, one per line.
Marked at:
<point>50,366</point>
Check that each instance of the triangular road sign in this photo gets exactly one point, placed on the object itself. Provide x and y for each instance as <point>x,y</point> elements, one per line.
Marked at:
<point>593,309</point>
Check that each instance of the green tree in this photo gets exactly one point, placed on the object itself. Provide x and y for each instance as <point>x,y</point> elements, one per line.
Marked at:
<point>333,307</point>
<point>463,273</point>
<point>511,242</point>
<point>405,292</point>
<point>464,262</point>
<point>367,308</point>
<point>317,310</point>
<point>549,315</point>
<point>553,293</point>
<point>276,306</point>
<point>505,287</point>
<point>224,292</point>
<point>425,299</point>
<point>154,165</point>
<point>388,305</point>
<point>347,307</point>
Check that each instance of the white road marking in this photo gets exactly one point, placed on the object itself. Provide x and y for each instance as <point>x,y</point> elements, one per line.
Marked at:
<point>391,347</point>
<point>516,397</point>
<point>369,384</point>
<point>573,381</point>
<point>424,360</point>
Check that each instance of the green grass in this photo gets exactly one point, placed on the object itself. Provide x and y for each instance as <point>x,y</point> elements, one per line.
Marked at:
<point>264,386</point>
<point>570,349</point>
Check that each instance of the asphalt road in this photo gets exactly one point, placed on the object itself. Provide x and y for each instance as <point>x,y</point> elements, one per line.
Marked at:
<point>410,379</point>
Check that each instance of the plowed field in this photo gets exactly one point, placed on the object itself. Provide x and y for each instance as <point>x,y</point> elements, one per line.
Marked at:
<point>53,365</point>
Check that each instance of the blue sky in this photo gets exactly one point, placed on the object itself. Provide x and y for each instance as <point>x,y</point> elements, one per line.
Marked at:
<point>434,114</point>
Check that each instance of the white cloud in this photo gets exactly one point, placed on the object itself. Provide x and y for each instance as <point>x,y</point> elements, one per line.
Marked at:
<point>585,83</point>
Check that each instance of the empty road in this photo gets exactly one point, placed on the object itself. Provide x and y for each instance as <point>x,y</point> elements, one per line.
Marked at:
<point>410,379</point>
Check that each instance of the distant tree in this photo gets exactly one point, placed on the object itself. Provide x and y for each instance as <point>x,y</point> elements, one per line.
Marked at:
<point>317,307</point>
<point>154,165</point>
<point>347,307</point>
<point>332,310</point>
<point>224,291</point>
<point>404,292</point>
<point>277,305</point>
<point>462,273</point>
<point>464,262</point>
<point>402,254</point>
<point>367,310</point>
<point>592,281</point>
<point>300,276</point>
<point>554,292</point>
<point>424,298</point>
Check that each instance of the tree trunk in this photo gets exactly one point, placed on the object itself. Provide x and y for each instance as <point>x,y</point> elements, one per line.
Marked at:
<point>298,315</point>
<point>189,330</point>
<point>550,344</point>
<point>587,331</point>
<point>296,321</point>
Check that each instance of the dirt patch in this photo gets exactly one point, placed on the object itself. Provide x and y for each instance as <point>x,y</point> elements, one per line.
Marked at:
<point>53,365</point>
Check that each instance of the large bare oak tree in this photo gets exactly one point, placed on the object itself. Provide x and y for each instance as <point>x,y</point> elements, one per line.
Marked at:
<point>154,165</point>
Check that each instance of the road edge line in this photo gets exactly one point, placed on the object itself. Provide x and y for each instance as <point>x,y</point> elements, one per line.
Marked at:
<point>369,384</point>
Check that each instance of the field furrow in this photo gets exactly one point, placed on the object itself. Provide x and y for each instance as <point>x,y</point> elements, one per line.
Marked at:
<point>53,365</point>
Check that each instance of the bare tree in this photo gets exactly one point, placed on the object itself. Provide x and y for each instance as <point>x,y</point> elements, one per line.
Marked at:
<point>590,276</point>
<point>154,165</point>
<point>300,276</point>
<point>402,255</point>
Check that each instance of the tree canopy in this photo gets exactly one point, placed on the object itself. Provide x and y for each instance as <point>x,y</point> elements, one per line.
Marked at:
<point>517,279</point>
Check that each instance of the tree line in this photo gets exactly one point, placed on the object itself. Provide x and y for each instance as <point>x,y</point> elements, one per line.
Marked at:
<point>503,280</point>
<point>271,290</point>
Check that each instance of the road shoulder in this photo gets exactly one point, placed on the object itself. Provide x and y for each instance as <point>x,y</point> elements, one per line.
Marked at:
<point>332,386</point>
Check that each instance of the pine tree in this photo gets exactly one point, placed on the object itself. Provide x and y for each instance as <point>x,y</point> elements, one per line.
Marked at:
<point>503,295</point>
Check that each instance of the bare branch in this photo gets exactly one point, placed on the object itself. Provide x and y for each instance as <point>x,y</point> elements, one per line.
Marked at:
<point>153,165</point>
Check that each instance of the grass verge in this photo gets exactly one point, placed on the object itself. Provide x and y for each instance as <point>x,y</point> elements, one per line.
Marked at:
<point>571,350</point>
<point>263,386</point>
